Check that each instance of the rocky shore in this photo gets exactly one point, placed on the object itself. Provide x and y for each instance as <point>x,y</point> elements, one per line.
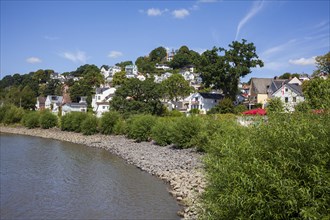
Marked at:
<point>181,169</point>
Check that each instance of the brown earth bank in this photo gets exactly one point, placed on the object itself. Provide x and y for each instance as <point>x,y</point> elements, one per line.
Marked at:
<point>182,169</point>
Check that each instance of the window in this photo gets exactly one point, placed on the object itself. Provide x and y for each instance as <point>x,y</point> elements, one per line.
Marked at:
<point>103,107</point>
<point>98,97</point>
<point>294,99</point>
<point>215,101</point>
<point>286,99</point>
<point>286,89</point>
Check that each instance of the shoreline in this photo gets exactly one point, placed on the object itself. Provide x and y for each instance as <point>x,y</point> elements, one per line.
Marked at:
<point>180,168</point>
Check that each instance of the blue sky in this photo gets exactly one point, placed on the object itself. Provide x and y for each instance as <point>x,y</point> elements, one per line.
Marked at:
<point>63,35</point>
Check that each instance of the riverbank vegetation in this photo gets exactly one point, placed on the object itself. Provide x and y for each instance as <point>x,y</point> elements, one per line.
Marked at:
<point>278,168</point>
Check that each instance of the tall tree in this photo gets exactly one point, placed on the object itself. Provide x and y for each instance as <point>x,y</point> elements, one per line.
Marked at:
<point>317,93</point>
<point>145,65</point>
<point>157,55</point>
<point>28,99</point>
<point>136,96</point>
<point>119,78</point>
<point>184,57</point>
<point>223,72</point>
<point>322,64</point>
<point>176,87</point>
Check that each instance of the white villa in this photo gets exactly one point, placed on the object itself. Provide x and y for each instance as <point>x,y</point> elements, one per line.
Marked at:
<point>131,71</point>
<point>108,73</point>
<point>100,102</point>
<point>81,106</point>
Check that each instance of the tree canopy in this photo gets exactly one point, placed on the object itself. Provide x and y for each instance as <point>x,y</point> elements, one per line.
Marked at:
<point>136,96</point>
<point>223,71</point>
<point>322,64</point>
<point>176,87</point>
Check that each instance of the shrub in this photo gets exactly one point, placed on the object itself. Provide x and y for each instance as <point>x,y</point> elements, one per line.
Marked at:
<point>90,125</point>
<point>302,107</point>
<point>275,105</point>
<point>163,130</point>
<point>174,113</point>
<point>31,120</point>
<point>120,127</point>
<point>12,115</point>
<point>225,106</point>
<point>139,127</point>
<point>47,119</point>
<point>66,122</point>
<point>3,110</point>
<point>240,108</point>
<point>186,130</point>
<point>194,111</point>
<point>108,121</point>
<point>278,170</point>
<point>77,119</point>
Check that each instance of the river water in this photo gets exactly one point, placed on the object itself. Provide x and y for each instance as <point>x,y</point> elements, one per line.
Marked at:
<point>49,179</point>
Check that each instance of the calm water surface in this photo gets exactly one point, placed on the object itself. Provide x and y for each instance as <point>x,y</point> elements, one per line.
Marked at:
<point>48,179</point>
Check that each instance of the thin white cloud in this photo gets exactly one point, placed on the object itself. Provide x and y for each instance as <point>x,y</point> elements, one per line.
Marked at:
<point>155,12</point>
<point>257,6</point>
<point>279,48</point>
<point>79,56</point>
<point>181,13</point>
<point>33,60</point>
<point>303,61</point>
<point>115,54</point>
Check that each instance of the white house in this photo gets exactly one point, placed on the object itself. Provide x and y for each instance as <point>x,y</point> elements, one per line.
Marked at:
<point>159,79</point>
<point>203,101</point>
<point>75,107</point>
<point>108,73</point>
<point>131,71</point>
<point>290,95</point>
<point>100,101</point>
<point>53,102</point>
<point>163,66</point>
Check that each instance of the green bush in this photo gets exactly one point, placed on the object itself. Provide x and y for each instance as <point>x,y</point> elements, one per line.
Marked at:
<point>213,126</point>
<point>90,125</point>
<point>302,107</point>
<point>12,114</point>
<point>31,119</point>
<point>174,113</point>
<point>139,127</point>
<point>3,110</point>
<point>186,130</point>
<point>225,106</point>
<point>47,119</point>
<point>163,130</point>
<point>240,108</point>
<point>66,122</point>
<point>108,121</point>
<point>120,127</point>
<point>77,119</point>
<point>73,121</point>
<point>278,170</point>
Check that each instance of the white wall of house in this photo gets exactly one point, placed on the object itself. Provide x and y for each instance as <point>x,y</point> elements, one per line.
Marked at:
<point>196,101</point>
<point>53,102</point>
<point>289,97</point>
<point>100,101</point>
<point>73,107</point>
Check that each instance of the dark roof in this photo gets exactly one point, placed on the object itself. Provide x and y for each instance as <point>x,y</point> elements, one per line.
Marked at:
<point>297,88</point>
<point>261,84</point>
<point>211,95</point>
